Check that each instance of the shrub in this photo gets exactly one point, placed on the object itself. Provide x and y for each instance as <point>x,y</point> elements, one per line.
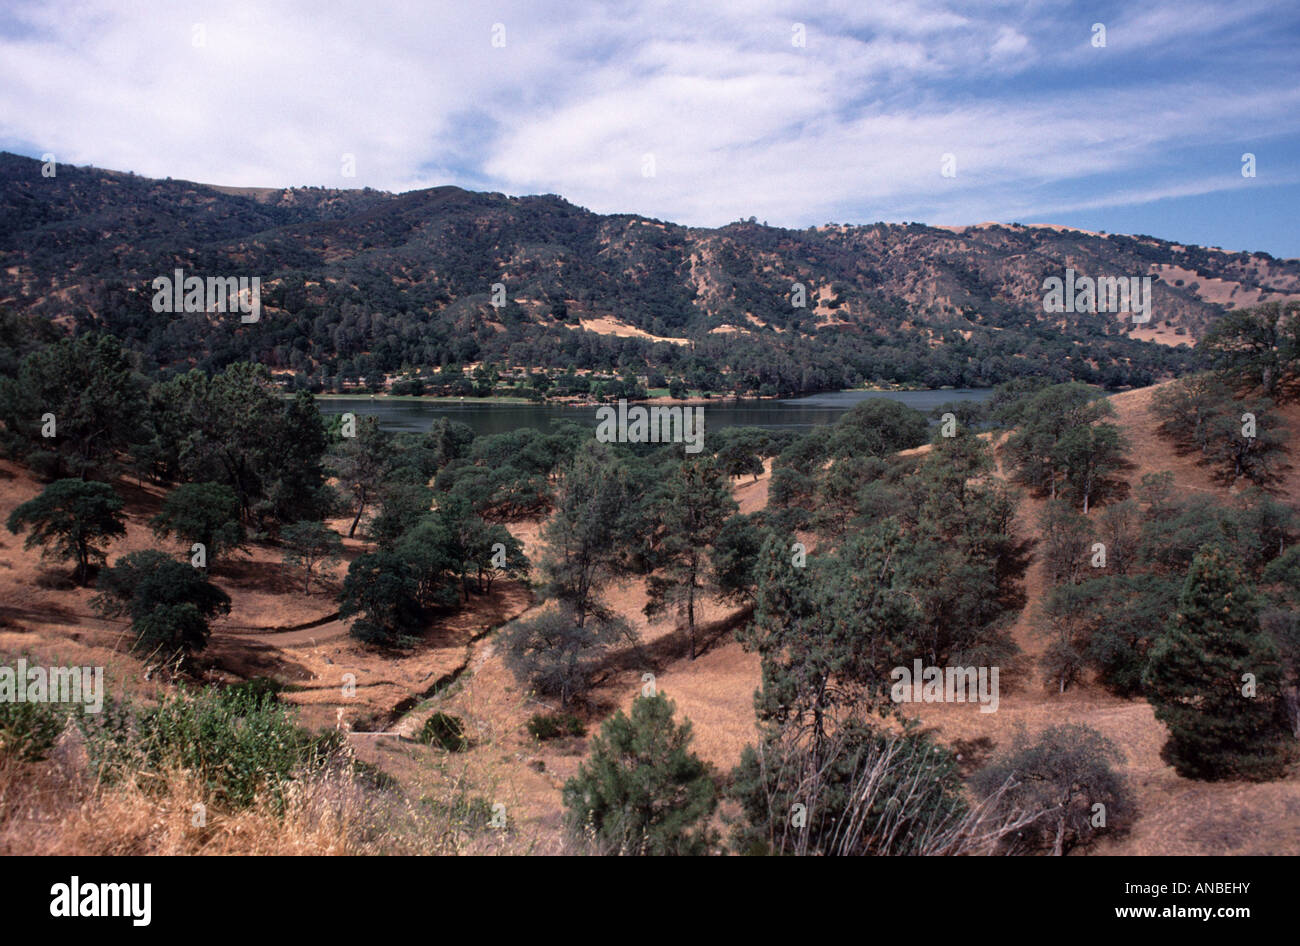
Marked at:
<point>238,743</point>
<point>28,730</point>
<point>445,731</point>
<point>170,603</point>
<point>544,726</point>
<point>1061,778</point>
<point>861,791</point>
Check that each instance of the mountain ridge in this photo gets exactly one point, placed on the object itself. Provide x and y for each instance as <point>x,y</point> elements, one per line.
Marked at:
<point>359,282</point>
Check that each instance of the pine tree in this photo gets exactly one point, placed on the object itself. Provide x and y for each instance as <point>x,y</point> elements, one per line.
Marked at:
<point>694,509</point>
<point>643,791</point>
<point>1219,726</point>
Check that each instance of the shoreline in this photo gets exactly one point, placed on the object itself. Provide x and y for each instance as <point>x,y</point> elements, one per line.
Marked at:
<point>442,400</point>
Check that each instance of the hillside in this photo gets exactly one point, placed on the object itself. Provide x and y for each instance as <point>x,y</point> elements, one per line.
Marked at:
<point>457,668</point>
<point>361,284</point>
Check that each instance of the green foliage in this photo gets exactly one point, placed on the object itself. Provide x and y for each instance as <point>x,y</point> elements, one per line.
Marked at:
<point>1257,347</point>
<point>1061,442</point>
<point>28,730</point>
<point>642,791</point>
<point>444,731</point>
<point>546,726</point>
<point>1062,775</point>
<point>235,428</point>
<point>240,744</point>
<point>829,632</point>
<point>382,593</point>
<point>401,506</point>
<point>735,553</point>
<point>453,551</point>
<point>169,602</point>
<point>1065,543</point>
<point>1196,678</point>
<point>1203,417</point>
<point>589,534</point>
<point>877,427</point>
<point>74,520</point>
<point>361,464</point>
<point>691,511</point>
<point>310,546</point>
<point>861,792</point>
<point>206,513</point>
<point>89,386</point>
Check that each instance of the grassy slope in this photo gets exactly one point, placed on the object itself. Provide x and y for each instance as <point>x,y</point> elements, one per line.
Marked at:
<point>505,764</point>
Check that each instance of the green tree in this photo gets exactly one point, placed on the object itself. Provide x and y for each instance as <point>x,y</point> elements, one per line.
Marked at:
<point>828,632</point>
<point>877,427</point>
<point>1090,456</point>
<point>1256,347</point>
<point>587,538</point>
<point>170,603</point>
<point>93,395</point>
<point>642,791</point>
<point>206,513</point>
<point>75,520</point>
<point>1044,419</point>
<point>1066,542</point>
<point>381,591</point>
<point>235,428</point>
<point>402,504</point>
<point>1222,722</point>
<point>692,510</point>
<point>310,546</point>
<point>361,464</point>
<point>1236,437</point>
<point>735,553</point>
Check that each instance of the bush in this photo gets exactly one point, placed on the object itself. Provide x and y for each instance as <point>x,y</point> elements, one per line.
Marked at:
<point>544,726</point>
<point>240,744</point>
<point>1063,777</point>
<point>862,792</point>
<point>445,731</point>
<point>557,654</point>
<point>28,730</point>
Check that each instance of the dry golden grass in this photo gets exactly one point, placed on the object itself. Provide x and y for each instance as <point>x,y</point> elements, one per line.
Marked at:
<point>507,766</point>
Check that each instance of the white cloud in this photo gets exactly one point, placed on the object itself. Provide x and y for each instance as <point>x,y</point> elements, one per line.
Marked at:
<point>739,120</point>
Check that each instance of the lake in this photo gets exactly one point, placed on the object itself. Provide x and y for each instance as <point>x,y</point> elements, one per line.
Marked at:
<point>799,413</point>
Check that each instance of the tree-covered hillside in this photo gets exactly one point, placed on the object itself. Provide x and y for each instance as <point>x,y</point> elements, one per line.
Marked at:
<point>360,283</point>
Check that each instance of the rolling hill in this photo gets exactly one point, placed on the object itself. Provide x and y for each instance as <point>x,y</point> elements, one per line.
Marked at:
<point>362,283</point>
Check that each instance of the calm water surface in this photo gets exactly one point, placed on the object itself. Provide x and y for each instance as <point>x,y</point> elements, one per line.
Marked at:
<point>795,413</point>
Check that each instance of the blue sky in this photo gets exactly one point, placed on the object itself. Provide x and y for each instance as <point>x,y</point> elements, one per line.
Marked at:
<point>733,117</point>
